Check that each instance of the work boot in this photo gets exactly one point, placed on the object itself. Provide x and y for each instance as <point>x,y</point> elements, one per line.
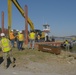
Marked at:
<point>13,64</point>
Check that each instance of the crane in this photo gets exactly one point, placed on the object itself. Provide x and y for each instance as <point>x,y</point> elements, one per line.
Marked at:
<point>15,2</point>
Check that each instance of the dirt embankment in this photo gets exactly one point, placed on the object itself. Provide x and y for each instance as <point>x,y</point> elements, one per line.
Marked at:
<point>35,62</point>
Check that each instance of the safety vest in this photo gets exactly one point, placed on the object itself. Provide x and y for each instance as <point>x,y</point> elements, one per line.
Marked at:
<point>11,36</point>
<point>66,42</point>
<point>5,45</point>
<point>32,35</point>
<point>38,37</point>
<point>21,37</point>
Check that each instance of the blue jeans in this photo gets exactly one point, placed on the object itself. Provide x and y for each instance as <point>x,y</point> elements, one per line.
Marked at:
<point>17,41</point>
<point>12,42</point>
<point>20,44</point>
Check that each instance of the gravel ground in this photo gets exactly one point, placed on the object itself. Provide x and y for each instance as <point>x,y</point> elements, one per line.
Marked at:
<point>55,65</point>
<point>41,69</point>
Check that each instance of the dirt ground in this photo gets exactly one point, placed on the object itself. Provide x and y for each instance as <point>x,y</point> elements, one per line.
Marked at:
<point>34,62</point>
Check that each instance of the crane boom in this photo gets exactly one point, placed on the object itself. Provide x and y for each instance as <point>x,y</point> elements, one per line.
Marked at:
<point>15,2</point>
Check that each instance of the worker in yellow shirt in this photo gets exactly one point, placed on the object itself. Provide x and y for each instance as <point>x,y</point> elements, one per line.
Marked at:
<point>20,40</point>
<point>6,49</point>
<point>31,39</point>
<point>38,38</point>
<point>67,44</point>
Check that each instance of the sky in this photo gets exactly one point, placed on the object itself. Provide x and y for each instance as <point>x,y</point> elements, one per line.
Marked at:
<point>59,14</point>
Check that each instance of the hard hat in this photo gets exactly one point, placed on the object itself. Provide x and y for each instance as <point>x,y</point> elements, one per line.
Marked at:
<point>12,30</point>
<point>17,30</point>
<point>2,34</point>
<point>20,31</point>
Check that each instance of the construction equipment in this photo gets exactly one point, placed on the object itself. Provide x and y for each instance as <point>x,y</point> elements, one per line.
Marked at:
<point>15,2</point>
<point>41,33</point>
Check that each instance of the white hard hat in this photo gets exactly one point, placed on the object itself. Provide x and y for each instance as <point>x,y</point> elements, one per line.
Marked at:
<point>20,31</point>
<point>2,34</point>
<point>17,30</point>
<point>12,30</point>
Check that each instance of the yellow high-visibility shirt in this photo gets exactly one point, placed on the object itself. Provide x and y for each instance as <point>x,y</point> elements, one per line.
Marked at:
<point>5,44</point>
<point>32,35</point>
<point>66,42</point>
<point>21,37</point>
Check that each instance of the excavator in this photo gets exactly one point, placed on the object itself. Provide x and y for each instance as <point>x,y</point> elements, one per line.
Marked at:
<point>15,2</point>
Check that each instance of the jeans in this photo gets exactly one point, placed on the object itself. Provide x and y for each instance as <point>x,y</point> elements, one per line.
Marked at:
<point>17,41</point>
<point>31,42</point>
<point>20,44</point>
<point>12,42</point>
<point>67,46</point>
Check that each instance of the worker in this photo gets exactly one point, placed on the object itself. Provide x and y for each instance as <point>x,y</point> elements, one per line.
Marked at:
<point>67,44</point>
<point>31,39</point>
<point>38,38</point>
<point>12,37</point>
<point>6,49</point>
<point>20,40</point>
<point>16,37</point>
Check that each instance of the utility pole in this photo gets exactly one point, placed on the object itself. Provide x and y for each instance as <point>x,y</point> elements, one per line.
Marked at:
<point>2,22</point>
<point>26,24</point>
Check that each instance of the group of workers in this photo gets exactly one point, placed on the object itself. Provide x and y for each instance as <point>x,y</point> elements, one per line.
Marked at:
<point>19,39</point>
<point>32,37</point>
<point>7,44</point>
<point>68,45</point>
